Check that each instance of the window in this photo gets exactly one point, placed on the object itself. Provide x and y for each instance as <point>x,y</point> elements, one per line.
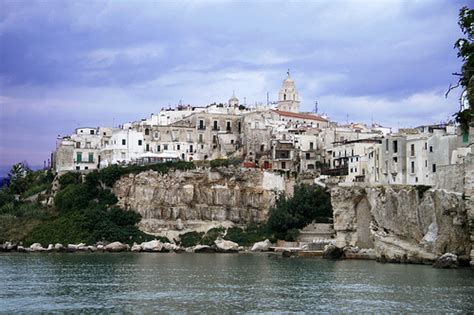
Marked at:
<point>200,137</point>
<point>147,132</point>
<point>434,168</point>
<point>86,167</point>
<point>123,142</point>
<point>351,169</point>
<point>191,148</point>
<point>79,157</point>
<point>214,139</point>
<point>412,169</point>
<point>214,127</point>
<point>92,132</point>
<point>412,150</point>
<point>262,147</point>
<point>78,145</point>
<point>165,147</point>
<point>201,124</point>
<point>147,148</point>
<point>352,152</point>
<point>78,168</point>
<point>308,156</point>
<point>395,146</point>
<point>139,142</point>
<point>232,141</point>
<point>158,148</point>
<point>426,163</point>
<point>91,157</point>
<point>426,146</point>
<point>431,148</point>
<point>283,164</point>
<point>311,146</point>
<point>386,145</point>
<point>228,128</point>
<point>465,137</point>
<point>157,135</point>
<point>334,154</point>
<point>239,126</point>
<point>178,147</point>
<point>395,160</point>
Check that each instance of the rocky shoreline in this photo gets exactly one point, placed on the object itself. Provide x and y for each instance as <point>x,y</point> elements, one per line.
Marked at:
<point>329,251</point>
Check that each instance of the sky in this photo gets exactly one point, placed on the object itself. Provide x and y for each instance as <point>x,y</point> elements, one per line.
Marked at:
<point>68,64</point>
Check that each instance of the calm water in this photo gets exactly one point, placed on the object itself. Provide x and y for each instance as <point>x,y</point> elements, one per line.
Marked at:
<point>212,283</point>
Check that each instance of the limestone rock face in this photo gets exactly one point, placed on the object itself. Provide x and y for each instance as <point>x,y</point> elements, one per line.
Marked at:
<point>401,223</point>
<point>181,197</point>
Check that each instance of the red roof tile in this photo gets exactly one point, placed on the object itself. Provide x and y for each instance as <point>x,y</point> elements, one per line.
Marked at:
<point>299,115</point>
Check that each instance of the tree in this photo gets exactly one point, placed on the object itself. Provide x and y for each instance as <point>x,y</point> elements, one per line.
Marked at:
<point>309,203</point>
<point>465,47</point>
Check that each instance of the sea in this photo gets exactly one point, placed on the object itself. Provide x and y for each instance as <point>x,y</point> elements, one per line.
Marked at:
<point>170,283</point>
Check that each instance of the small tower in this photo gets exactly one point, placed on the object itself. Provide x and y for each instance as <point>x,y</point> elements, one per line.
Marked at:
<point>233,101</point>
<point>288,99</point>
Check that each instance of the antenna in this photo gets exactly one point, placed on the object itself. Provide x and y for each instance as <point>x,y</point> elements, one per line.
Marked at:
<point>315,107</point>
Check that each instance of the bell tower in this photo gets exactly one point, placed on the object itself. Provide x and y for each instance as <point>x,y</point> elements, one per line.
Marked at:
<point>288,99</point>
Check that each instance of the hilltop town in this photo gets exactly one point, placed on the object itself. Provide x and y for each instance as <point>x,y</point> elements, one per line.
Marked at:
<point>272,137</point>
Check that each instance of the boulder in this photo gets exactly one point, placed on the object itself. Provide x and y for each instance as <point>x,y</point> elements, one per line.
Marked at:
<point>100,247</point>
<point>179,225</point>
<point>333,252</point>
<point>448,260</point>
<point>224,246</point>
<point>261,246</point>
<point>171,247</point>
<point>152,246</point>
<point>136,248</point>
<point>116,247</point>
<point>203,249</point>
<point>50,248</point>
<point>8,246</point>
<point>59,247</point>
<point>36,247</point>
<point>71,248</point>
<point>21,249</point>
<point>91,248</point>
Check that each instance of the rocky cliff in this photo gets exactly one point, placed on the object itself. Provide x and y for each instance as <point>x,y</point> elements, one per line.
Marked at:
<point>196,197</point>
<point>402,223</point>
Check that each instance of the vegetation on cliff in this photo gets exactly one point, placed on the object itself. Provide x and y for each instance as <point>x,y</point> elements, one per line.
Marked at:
<point>84,208</point>
<point>309,203</point>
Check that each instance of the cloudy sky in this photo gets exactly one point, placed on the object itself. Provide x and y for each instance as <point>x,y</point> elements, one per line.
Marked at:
<point>66,64</point>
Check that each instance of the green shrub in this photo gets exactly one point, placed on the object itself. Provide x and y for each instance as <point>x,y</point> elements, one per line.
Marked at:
<point>190,239</point>
<point>249,235</point>
<point>308,202</point>
<point>111,174</point>
<point>219,162</point>
<point>212,235</point>
<point>74,197</point>
<point>69,178</point>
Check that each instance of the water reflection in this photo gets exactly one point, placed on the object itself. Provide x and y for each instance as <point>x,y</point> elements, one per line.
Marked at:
<point>225,283</point>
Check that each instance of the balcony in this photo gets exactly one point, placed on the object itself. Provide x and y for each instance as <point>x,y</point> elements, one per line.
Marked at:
<point>216,128</point>
<point>201,127</point>
<point>85,161</point>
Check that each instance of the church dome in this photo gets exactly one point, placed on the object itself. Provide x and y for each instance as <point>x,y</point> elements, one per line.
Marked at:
<point>233,101</point>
